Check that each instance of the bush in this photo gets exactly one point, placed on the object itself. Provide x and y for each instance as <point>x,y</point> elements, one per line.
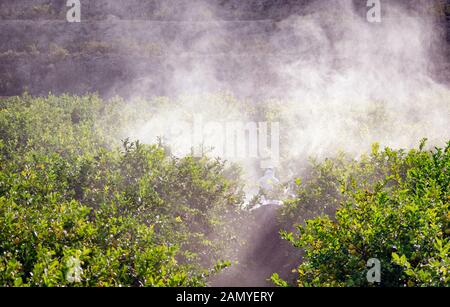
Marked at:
<point>394,206</point>
<point>77,208</point>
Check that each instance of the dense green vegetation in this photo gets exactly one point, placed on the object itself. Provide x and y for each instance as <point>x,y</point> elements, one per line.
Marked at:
<point>79,207</point>
<point>390,205</point>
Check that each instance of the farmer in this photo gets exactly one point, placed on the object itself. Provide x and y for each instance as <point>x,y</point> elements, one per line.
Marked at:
<point>269,185</point>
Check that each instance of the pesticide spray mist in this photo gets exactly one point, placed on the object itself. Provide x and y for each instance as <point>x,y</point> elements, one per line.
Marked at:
<point>331,79</point>
<point>328,77</point>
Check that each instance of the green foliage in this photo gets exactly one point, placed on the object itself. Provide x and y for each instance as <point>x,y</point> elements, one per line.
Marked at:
<point>77,209</point>
<point>394,206</point>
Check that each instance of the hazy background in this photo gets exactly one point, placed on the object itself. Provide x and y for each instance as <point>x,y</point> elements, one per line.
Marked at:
<point>332,80</point>
<point>156,47</point>
<point>329,77</point>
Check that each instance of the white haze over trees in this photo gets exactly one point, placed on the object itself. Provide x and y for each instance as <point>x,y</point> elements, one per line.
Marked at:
<point>332,80</point>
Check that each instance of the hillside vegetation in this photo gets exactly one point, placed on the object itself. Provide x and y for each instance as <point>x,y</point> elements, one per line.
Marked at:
<point>82,205</point>
<point>77,209</point>
<point>392,205</point>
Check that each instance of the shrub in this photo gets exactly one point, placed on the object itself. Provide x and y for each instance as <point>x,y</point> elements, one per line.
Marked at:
<point>399,214</point>
<point>78,208</point>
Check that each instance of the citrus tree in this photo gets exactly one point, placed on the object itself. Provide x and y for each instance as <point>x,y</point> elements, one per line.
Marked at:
<point>78,207</point>
<point>392,205</point>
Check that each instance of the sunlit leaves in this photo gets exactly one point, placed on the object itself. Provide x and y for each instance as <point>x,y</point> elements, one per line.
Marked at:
<point>393,206</point>
<point>78,208</point>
